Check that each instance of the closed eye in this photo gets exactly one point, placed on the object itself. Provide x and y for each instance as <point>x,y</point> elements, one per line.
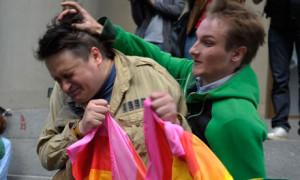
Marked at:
<point>207,43</point>
<point>67,75</point>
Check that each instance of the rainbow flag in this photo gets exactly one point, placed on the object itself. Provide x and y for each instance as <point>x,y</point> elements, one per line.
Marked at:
<point>178,154</point>
<point>106,153</point>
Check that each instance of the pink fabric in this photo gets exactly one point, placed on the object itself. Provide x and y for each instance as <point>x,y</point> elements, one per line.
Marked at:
<point>123,163</point>
<point>75,148</point>
<point>172,132</point>
<point>155,169</point>
<point>164,141</point>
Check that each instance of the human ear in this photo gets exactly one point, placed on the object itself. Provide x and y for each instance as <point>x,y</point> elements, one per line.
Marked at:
<point>96,56</point>
<point>238,53</point>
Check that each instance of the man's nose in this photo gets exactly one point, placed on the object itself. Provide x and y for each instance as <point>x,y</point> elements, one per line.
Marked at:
<point>66,85</point>
<point>194,49</point>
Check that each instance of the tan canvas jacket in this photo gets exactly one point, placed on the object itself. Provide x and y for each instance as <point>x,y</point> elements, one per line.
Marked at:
<point>136,78</point>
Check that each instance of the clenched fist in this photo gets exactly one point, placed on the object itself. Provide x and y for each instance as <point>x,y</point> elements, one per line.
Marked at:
<point>94,114</point>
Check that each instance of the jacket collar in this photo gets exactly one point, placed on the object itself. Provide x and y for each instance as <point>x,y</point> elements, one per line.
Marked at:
<point>124,73</point>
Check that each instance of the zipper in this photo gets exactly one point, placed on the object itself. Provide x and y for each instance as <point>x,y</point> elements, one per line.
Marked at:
<point>185,86</point>
<point>205,98</point>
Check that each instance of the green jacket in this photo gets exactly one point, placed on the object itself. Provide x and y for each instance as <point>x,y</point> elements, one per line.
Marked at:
<point>225,118</point>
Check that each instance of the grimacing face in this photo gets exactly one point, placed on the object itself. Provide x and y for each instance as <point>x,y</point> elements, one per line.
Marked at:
<point>211,61</point>
<point>76,77</point>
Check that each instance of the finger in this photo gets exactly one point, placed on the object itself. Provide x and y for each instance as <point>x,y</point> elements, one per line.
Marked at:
<point>65,12</point>
<point>74,5</point>
<point>97,123</point>
<point>161,101</point>
<point>167,116</point>
<point>80,26</point>
<point>96,107</point>
<point>158,98</point>
<point>100,109</point>
<point>157,94</point>
<point>91,116</point>
<point>102,102</point>
<point>164,111</point>
<point>97,117</point>
<point>85,127</point>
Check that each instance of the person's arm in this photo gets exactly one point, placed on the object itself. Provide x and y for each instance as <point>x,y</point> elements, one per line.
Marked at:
<point>130,44</point>
<point>53,142</point>
<point>239,142</point>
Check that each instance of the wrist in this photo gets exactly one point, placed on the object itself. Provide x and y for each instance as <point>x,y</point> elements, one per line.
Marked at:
<point>178,119</point>
<point>109,31</point>
<point>98,29</point>
<point>80,128</point>
<point>76,131</point>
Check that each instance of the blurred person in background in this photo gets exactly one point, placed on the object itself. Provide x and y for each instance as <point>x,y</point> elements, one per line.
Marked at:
<point>154,19</point>
<point>284,32</point>
<point>5,146</point>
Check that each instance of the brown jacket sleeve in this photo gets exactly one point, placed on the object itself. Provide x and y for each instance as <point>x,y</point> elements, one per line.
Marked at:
<point>55,137</point>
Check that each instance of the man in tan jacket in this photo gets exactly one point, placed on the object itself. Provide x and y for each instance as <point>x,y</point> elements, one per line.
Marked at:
<point>92,80</point>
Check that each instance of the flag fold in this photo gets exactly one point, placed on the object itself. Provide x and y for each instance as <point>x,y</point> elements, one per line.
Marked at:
<point>107,153</point>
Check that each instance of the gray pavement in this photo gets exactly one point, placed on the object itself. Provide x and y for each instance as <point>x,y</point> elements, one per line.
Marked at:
<point>282,158</point>
<point>23,130</point>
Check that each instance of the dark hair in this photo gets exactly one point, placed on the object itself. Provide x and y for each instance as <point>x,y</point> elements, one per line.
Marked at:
<point>244,26</point>
<point>62,36</point>
<point>2,124</point>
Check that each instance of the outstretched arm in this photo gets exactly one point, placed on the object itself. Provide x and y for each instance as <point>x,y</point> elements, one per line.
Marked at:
<point>130,44</point>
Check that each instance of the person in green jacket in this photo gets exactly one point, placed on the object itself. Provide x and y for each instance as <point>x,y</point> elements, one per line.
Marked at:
<point>220,86</point>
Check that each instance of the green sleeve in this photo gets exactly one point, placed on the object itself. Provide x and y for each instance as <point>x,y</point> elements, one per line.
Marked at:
<point>131,44</point>
<point>237,140</point>
<point>2,149</point>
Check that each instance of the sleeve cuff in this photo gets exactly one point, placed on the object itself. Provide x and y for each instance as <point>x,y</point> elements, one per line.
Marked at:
<point>110,31</point>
